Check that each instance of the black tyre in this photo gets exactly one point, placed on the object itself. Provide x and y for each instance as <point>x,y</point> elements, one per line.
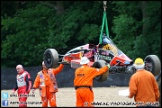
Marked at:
<point>100,64</point>
<point>152,64</point>
<point>51,58</point>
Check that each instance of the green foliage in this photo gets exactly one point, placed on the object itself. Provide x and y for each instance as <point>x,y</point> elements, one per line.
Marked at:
<point>88,32</point>
<point>76,27</point>
<point>26,33</point>
<point>137,36</point>
<point>125,30</point>
<point>30,27</point>
<point>8,8</point>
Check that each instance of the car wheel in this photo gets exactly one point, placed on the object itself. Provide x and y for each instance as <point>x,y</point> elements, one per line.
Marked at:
<point>51,58</point>
<point>152,64</point>
<point>100,64</point>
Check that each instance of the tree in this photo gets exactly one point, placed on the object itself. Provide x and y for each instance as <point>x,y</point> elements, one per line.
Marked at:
<point>27,34</point>
<point>28,28</point>
<point>38,26</point>
<point>137,28</point>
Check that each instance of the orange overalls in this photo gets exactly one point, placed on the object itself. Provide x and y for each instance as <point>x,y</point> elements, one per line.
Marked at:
<point>83,84</point>
<point>47,84</point>
<point>144,88</point>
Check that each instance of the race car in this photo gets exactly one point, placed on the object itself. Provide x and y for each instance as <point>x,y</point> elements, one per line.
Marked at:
<point>99,56</point>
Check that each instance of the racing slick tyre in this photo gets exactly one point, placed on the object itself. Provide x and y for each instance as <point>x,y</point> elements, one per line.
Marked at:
<point>100,64</point>
<point>51,58</point>
<point>152,64</point>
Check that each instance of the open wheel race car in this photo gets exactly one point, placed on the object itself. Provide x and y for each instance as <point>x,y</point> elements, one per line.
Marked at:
<point>106,52</point>
<point>99,56</point>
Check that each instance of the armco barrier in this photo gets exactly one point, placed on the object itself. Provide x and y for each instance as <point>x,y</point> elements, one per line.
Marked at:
<point>64,78</point>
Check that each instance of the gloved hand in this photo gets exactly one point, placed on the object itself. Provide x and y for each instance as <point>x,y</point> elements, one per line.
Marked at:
<point>45,99</point>
<point>128,96</point>
<point>28,91</point>
<point>108,65</point>
<point>64,62</point>
<point>13,92</point>
<point>33,91</point>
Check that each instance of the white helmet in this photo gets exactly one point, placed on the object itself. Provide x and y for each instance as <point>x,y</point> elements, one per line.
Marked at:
<point>84,60</point>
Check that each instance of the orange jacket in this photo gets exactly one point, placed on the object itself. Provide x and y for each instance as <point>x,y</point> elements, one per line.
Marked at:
<point>46,78</point>
<point>85,74</point>
<point>143,87</point>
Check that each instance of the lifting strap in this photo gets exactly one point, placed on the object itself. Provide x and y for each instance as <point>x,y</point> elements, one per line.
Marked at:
<point>104,23</point>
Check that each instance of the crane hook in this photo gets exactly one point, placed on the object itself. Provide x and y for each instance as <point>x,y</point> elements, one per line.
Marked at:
<point>104,5</point>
